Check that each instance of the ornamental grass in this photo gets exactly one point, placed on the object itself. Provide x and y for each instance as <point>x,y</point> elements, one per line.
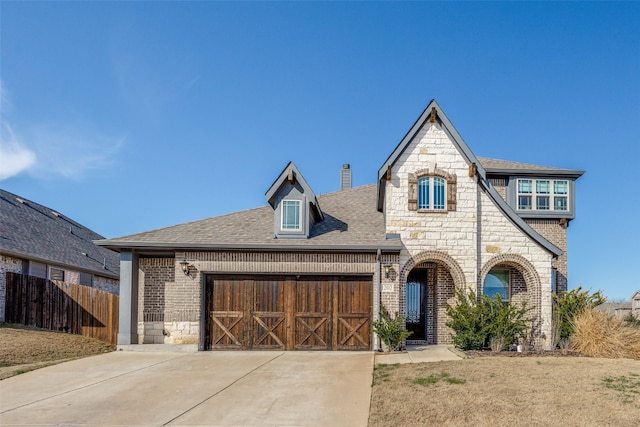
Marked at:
<point>599,335</point>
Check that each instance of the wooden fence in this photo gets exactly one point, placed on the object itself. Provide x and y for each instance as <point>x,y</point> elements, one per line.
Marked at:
<point>60,306</point>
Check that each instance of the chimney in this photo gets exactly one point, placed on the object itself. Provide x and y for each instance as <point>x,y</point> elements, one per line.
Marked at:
<point>345,177</point>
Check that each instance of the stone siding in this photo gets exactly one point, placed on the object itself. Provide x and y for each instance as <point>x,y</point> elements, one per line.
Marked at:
<point>463,241</point>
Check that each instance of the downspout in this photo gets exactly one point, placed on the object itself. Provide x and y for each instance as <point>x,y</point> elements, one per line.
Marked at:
<point>377,299</point>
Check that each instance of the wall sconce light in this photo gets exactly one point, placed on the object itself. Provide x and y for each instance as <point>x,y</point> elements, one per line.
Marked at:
<point>185,267</point>
<point>387,270</point>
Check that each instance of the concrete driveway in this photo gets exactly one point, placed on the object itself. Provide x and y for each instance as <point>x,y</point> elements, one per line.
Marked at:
<point>205,388</point>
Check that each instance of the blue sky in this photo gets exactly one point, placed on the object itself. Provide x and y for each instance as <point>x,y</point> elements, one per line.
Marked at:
<point>130,116</point>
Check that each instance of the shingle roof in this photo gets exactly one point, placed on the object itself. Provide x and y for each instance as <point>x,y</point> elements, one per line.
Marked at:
<point>495,166</point>
<point>351,221</point>
<point>32,231</point>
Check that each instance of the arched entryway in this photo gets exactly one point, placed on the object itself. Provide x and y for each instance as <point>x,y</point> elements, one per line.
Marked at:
<point>428,283</point>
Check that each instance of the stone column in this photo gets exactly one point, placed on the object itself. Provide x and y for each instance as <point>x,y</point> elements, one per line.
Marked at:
<point>128,316</point>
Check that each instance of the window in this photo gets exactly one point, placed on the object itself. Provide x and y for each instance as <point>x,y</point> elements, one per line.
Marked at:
<point>431,193</point>
<point>56,274</point>
<point>291,215</point>
<point>543,195</point>
<point>497,282</point>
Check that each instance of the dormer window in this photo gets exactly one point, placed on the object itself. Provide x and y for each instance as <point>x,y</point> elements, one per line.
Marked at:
<point>291,215</point>
<point>543,194</point>
<point>431,193</point>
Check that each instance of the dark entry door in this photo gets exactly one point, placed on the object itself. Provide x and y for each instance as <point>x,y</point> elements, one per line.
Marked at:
<point>416,304</point>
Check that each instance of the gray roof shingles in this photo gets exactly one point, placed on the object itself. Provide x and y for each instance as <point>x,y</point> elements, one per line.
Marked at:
<point>351,220</point>
<point>32,231</point>
<point>506,167</point>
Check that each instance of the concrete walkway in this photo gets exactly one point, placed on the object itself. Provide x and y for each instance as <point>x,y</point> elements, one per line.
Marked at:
<point>205,388</point>
<point>419,354</point>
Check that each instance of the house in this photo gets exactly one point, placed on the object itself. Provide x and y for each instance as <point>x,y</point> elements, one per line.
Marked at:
<point>635,304</point>
<point>39,241</point>
<point>311,272</point>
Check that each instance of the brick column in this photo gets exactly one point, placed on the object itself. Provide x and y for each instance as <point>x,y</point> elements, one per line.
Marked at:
<point>128,316</point>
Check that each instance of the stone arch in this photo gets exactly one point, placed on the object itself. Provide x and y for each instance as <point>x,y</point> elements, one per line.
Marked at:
<point>438,257</point>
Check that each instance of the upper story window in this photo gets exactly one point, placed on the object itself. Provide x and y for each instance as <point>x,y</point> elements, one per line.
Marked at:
<point>431,193</point>
<point>291,215</point>
<point>432,190</point>
<point>543,194</point>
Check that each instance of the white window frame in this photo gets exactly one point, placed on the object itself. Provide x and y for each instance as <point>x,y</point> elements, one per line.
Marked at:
<point>430,206</point>
<point>282,215</point>
<point>507,287</point>
<point>537,192</point>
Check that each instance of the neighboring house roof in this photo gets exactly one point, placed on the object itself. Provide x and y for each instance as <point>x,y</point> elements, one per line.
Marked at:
<point>612,308</point>
<point>351,223</point>
<point>32,231</point>
<point>470,158</point>
<point>504,167</point>
<point>291,174</point>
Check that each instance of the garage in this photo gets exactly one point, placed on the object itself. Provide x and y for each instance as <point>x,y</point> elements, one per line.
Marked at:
<point>245,312</point>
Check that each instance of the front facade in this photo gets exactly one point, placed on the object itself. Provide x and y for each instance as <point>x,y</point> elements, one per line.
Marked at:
<point>309,272</point>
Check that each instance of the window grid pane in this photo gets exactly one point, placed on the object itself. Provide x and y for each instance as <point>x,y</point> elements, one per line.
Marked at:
<point>423,193</point>
<point>524,202</point>
<point>438,193</point>
<point>560,187</point>
<point>542,203</point>
<point>560,203</point>
<point>542,187</point>
<point>524,186</point>
<point>290,215</point>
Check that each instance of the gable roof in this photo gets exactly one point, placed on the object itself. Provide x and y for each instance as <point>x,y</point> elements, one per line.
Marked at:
<point>351,223</point>
<point>505,167</point>
<point>291,174</point>
<point>469,157</point>
<point>33,231</point>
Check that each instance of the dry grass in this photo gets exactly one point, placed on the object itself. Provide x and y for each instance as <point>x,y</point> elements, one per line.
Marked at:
<point>23,348</point>
<point>599,335</point>
<point>505,391</point>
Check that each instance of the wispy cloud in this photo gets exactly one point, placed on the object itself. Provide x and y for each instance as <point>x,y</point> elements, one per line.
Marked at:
<point>15,158</point>
<point>48,150</point>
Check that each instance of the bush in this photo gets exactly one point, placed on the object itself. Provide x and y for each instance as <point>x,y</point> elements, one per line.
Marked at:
<point>570,304</point>
<point>476,322</point>
<point>598,335</point>
<point>631,321</point>
<point>391,331</point>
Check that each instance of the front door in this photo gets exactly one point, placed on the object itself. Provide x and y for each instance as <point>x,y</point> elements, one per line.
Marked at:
<point>416,304</point>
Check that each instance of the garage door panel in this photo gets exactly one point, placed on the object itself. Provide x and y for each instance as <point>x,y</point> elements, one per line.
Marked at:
<point>289,313</point>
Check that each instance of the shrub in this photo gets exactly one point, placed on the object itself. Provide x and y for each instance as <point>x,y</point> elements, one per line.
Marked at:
<point>631,321</point>
<point>391,331</point>
<point>598,335</point>
<point>568,305</point>
<point>476,322</point>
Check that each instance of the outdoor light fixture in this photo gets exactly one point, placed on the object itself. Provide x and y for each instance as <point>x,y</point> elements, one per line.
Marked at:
<point>185,267</point>
<point>387,270</point>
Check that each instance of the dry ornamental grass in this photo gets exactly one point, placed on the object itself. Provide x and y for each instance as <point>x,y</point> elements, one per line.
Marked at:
<point>504,391</point>
<point>599,335</point>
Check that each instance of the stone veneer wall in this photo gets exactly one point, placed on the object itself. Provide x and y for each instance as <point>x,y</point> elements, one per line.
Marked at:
<point>169,301</point>
<point>8,264</point>
<point>551,229</point>
<point>471,236</point>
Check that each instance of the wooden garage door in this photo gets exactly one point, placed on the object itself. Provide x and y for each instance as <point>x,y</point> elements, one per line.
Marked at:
<point>288,313</point>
